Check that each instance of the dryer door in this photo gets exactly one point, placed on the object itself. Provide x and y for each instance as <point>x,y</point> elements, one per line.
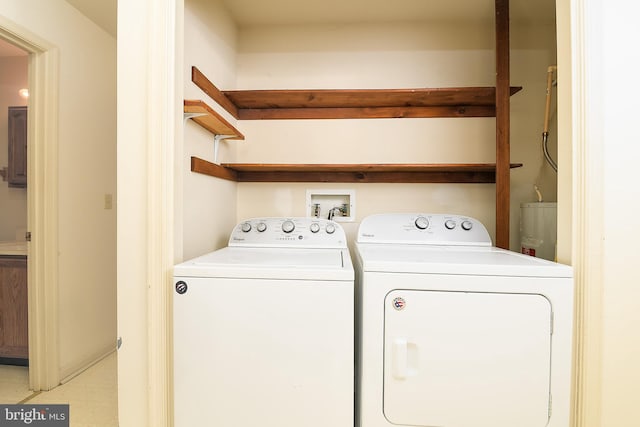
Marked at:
<point>460,359</point>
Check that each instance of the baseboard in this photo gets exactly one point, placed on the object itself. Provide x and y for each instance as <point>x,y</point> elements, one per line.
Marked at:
<point>68,376</point>
<point>14,361</point>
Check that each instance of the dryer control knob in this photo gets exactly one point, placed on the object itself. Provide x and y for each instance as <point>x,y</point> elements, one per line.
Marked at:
<point>450,224</point>
<point>288,226</point>
<point>314,227</point>
<point>330,228</point>
<point>467,225</point>
<point>246,227</point>
<point>261,227</point>
<point>422,222</point>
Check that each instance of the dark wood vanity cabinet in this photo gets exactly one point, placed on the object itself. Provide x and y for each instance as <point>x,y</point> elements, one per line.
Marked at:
<point>17,168</point>
<point>14,336</point>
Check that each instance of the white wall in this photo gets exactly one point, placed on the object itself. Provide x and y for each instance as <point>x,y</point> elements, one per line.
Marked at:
<point>133,246</point>
<point>208,204</point>
<point>606,201</point>
<point>13,214</point>
<point>403,55</point>
<point>86,172</point>
<point>621,291</point>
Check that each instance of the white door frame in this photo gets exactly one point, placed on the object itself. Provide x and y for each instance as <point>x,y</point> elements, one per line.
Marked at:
<point>150,102</point>
<point>588,211</point>
<point>42,204</point>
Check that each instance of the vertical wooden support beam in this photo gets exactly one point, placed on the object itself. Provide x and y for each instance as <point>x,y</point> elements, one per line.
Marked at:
<point>502,124</point>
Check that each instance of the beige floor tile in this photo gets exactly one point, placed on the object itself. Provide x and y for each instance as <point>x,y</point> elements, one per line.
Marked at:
<point>92,395</point>
<point>14,383</point>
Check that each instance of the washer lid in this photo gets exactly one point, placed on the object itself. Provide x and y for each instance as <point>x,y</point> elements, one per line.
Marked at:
<point>270,263</point>
<point>459,260</point>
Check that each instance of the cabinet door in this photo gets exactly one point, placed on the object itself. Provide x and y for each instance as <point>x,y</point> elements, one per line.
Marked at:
<point>14,337</point>
<point>17,170</point>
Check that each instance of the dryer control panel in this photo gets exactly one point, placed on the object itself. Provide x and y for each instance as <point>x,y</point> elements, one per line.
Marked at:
<point>423,229</point>
<point>299,232</point>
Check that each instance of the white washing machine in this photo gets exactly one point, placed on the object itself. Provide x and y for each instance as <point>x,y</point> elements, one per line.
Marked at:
<point>455,332</point>
<point>264,329</point>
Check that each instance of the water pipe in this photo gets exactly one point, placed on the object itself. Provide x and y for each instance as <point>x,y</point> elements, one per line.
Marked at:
<point>545,134</point>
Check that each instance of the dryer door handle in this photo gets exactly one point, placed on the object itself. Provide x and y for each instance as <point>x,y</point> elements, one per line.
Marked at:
<point>400,358</point>
<point>404,358</point>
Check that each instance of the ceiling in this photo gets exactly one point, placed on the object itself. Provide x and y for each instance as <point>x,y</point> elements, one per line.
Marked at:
<point>283,12</point>
<point>287,12</point>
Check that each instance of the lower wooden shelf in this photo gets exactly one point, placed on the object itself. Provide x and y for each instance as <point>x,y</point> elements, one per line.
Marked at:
<point>484,173</point>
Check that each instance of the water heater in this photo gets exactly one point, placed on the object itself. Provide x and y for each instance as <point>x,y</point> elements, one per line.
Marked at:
<point>538,231</point>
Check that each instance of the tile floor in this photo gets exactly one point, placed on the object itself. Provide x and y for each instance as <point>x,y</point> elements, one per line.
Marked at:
<point>92,395</point>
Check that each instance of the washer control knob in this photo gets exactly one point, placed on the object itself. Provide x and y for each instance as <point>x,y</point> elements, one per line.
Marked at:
<point>246,227</point>
<point>261,227</point>
<point>330,228</point>
<point>422,222</point>
<point>314,227</point>
<point>288,226</point>
<point>467,225</point>
<point>450,224</point>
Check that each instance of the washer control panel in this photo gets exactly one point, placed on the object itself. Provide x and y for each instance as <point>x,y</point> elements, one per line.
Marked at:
<point>423,229</point>
<point>291,232</point>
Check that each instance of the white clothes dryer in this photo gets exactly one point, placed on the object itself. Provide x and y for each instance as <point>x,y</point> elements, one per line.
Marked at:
<point>264,328</point>
<point>454,332</point>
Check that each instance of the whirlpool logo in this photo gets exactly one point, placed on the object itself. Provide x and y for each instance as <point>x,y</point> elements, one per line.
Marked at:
<point>34,415</point>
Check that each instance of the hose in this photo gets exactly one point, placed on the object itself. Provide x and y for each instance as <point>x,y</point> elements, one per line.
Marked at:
<point>545,150</point>
<point>545,133</point>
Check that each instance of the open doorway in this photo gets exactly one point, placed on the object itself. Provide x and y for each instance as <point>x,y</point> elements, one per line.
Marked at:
<point>71,166</point>
<point>71,174</point>
<point>35,129</point>
<point>14,338</point>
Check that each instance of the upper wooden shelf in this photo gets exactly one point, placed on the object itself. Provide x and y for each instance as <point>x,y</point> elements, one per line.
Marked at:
<point>352,103</point>
<point>364,103</point>
<point>371,173</point>
<point>210,119</point>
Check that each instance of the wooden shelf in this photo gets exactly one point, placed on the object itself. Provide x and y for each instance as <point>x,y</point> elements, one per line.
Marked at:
<point>377,103</point>
<point>366,173</point>
<point>211,120</point>
<point>352,103</point>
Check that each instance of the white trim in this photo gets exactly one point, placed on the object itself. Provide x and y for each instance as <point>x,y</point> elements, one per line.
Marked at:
<point>89,363</point>
<point>588,224</point>
<point>42,195</point>
<point>164,118</point>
